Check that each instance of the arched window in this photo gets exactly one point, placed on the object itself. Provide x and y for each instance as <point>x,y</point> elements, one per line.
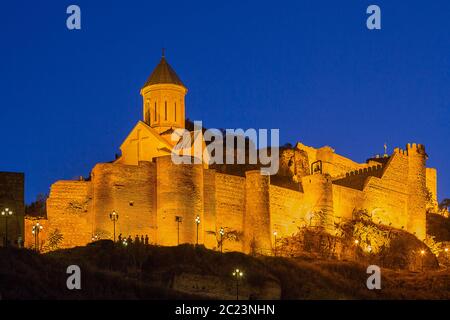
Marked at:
<point>165,110</point>
<point>147,112</point>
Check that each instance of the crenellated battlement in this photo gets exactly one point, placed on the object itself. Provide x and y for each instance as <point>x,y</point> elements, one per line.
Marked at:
<point>415,148</point>
<point>401,151</point>
<point>365,171</point>
<point>356,179</point>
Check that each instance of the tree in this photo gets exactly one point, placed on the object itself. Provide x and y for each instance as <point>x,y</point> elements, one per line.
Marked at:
<point>37,208</point>
<point>55,238</point>
<point>229,235</point>
<point>445,204</point>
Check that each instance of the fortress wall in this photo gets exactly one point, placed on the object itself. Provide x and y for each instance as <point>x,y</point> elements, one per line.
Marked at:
<point>209,192</point>
<point>356,179</point>
<point>69,210</point>
<point>179,193</point>
<point>130,191</point>
<point>395,171</point>
<point>431,184</point>
<point>345,202</point>
<point>333,163</point>
<point>230,207</point>
<point>287,211</point>
<point>386,203</point>
<point>340,165</point>
<point>257,225</point>
<point>386,197</point>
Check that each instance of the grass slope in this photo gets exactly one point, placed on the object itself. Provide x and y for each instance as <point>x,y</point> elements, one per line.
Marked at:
<point>145,273</point>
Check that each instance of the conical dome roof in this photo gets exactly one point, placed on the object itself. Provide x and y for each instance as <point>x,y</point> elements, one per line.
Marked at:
<point>163,73</point>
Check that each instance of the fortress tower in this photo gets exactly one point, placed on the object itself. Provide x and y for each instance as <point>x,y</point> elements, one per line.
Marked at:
<point>257,231</point>
<point>179,197</point>
<point>163,98</point>
<point>416,188</point>
<point>319,195</point>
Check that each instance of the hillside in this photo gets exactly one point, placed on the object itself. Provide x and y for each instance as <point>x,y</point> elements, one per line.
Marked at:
<point>187,272</point>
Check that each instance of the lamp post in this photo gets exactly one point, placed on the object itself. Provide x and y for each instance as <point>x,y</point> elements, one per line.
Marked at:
<point>422,254</point>
<point>6,214</point>
<point>237,274</point>
<point>275,243</point>
<point>221,232</point>
<point>446,256</point>
<point>178,220</point>
<point>356,248</point>
<point>114,216</point>
<point>37,228</point>
<point>197,222</point>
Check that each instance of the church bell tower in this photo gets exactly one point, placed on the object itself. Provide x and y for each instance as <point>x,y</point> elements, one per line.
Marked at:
<point>163,99</point>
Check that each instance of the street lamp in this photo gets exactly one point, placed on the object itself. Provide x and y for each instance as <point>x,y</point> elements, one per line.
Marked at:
<point>114,216</point>
<point>237,274</point>
<point>6,214</point>
<point>197,221</point>
<point>446,256</point>
<point>356,248</point>
<point>178,220</point>
<point>422,254</point>
<point>275,242</point>
<point>221,232</point>
<point>37,228</point>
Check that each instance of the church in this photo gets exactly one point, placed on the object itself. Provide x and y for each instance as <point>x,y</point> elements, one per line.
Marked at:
<point>197,203</point>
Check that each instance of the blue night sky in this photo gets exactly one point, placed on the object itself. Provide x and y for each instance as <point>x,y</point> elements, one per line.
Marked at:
<point>310,68</point>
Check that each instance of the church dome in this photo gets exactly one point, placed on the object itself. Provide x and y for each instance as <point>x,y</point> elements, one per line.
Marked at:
<point>163,74</point>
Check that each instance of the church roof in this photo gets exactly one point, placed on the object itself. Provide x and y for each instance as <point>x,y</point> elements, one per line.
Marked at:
<point>163,73</point>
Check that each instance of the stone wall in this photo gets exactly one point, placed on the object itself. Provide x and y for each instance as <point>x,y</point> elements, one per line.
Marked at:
<point>287,211</point>
<point>356,179</point>
<point>257,225</point>
<point>69,209</point>
<point>230,207</point>
<point>333,163</point>
<point>211,231</point>
<point>345,202</point>
<point>12,197</point>
<point>128,190</point>
<point>150,196</point>
<point>179,194</point>
<point>386,197</point>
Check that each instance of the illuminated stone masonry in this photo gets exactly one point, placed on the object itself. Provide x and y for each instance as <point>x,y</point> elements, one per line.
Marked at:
<point>156,198</point>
